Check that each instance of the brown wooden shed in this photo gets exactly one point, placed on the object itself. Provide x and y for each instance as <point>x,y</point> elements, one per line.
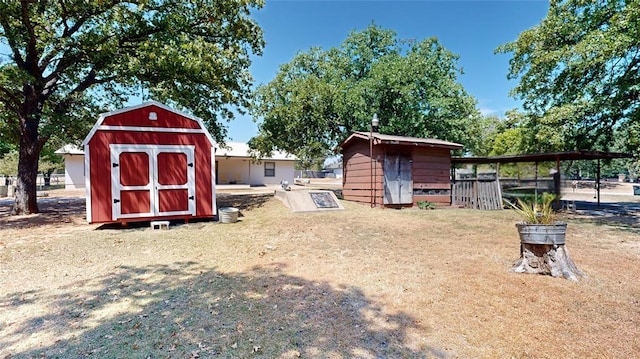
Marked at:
<point>396,171</point>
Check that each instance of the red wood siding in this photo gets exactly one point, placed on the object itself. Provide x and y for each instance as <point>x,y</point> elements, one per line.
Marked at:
<point>138,169</point>
<point>134,202</point>
<point>140,118</point>
<point>173,200</point>
<point>172,168</point>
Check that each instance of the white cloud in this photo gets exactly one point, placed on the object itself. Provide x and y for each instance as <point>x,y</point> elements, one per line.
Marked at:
<point>490,112</point>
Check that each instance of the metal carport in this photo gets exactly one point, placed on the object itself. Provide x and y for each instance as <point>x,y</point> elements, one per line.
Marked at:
<point>556,157</point>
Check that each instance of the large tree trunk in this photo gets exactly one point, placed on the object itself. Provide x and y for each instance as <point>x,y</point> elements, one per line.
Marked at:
<point>31,144</point>
<point>26,201</point>
<point>547,259</point>
<point>543,251</point>
<point>47,178</point>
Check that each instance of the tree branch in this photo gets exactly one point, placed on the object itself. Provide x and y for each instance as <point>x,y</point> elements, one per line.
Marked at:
<point>31,61</point>
<point>10,37</point>
<point>14,101</point>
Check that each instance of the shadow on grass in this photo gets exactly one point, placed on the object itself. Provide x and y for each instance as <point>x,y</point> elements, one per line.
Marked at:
<point>619,215</point>
<point>622,223</point>
<point>187,311</point>
<point>53,211</point>
<point>244,202</point>
<point>72,210</point>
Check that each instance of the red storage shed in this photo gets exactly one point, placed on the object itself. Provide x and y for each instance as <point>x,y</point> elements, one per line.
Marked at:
<point>149,162</point>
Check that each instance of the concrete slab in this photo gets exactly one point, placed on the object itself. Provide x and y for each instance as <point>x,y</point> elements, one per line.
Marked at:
<point>309,200</point>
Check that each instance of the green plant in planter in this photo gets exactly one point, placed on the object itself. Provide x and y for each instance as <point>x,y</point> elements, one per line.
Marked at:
<point>542,241</point>
<point>536,212</point>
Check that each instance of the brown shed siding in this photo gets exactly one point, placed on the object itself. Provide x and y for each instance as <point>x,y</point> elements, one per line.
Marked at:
<point>431,175</point>
<point>356,176</point>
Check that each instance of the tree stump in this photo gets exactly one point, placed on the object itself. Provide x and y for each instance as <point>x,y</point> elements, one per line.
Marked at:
<point>543,251</point>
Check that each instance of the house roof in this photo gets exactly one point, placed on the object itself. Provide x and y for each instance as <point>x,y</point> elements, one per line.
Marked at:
<point>240,149</point>
<point>334,165</point>
<point>69,150</point>
<point>379,138</point>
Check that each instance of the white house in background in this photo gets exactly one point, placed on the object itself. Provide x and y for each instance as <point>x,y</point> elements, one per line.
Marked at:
<point>234,166</point>
<point>73,166</point>
<point>333,170</point>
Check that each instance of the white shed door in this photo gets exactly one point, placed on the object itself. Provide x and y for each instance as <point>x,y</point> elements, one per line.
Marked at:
<point>150,181</point>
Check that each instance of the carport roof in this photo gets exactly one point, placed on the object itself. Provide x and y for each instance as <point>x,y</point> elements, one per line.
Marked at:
<point>542,157</point>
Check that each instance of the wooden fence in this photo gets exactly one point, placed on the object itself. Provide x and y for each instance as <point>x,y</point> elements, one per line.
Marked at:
<point>484,195</point>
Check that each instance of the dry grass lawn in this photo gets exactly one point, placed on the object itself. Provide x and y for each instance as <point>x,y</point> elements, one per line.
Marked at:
<point>361,283</point>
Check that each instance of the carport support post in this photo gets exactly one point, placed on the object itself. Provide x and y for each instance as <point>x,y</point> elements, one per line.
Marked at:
<point>557,184</point>
<point>373,127</point>
<point>536,180</point>
<point>499,185</point>
<point>598,181</point>
<point>371,169</point>
<point>453,180</point>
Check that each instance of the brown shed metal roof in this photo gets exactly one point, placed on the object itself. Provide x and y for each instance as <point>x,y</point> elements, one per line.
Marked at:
<point>379,138</point>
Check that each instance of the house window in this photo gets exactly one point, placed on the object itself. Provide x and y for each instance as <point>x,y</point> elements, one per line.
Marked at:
<point>269,169</point>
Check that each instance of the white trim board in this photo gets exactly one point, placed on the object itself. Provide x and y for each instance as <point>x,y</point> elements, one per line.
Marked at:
<point>87,181</point>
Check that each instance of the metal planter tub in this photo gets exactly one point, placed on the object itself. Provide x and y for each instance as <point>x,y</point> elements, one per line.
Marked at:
<point>228,215</point>
<point>542,233</point>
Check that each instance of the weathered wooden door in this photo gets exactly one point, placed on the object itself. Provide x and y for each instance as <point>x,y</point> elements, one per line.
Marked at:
<point>152,180</point>
<point>398,183</point>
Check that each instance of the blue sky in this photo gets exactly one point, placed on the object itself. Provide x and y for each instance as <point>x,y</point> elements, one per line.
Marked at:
<point>470,29</point>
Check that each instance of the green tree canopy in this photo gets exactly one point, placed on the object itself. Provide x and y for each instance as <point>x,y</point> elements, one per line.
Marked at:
<point>579,71</point>
<point>71,59</point>
<point>321,96</point>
